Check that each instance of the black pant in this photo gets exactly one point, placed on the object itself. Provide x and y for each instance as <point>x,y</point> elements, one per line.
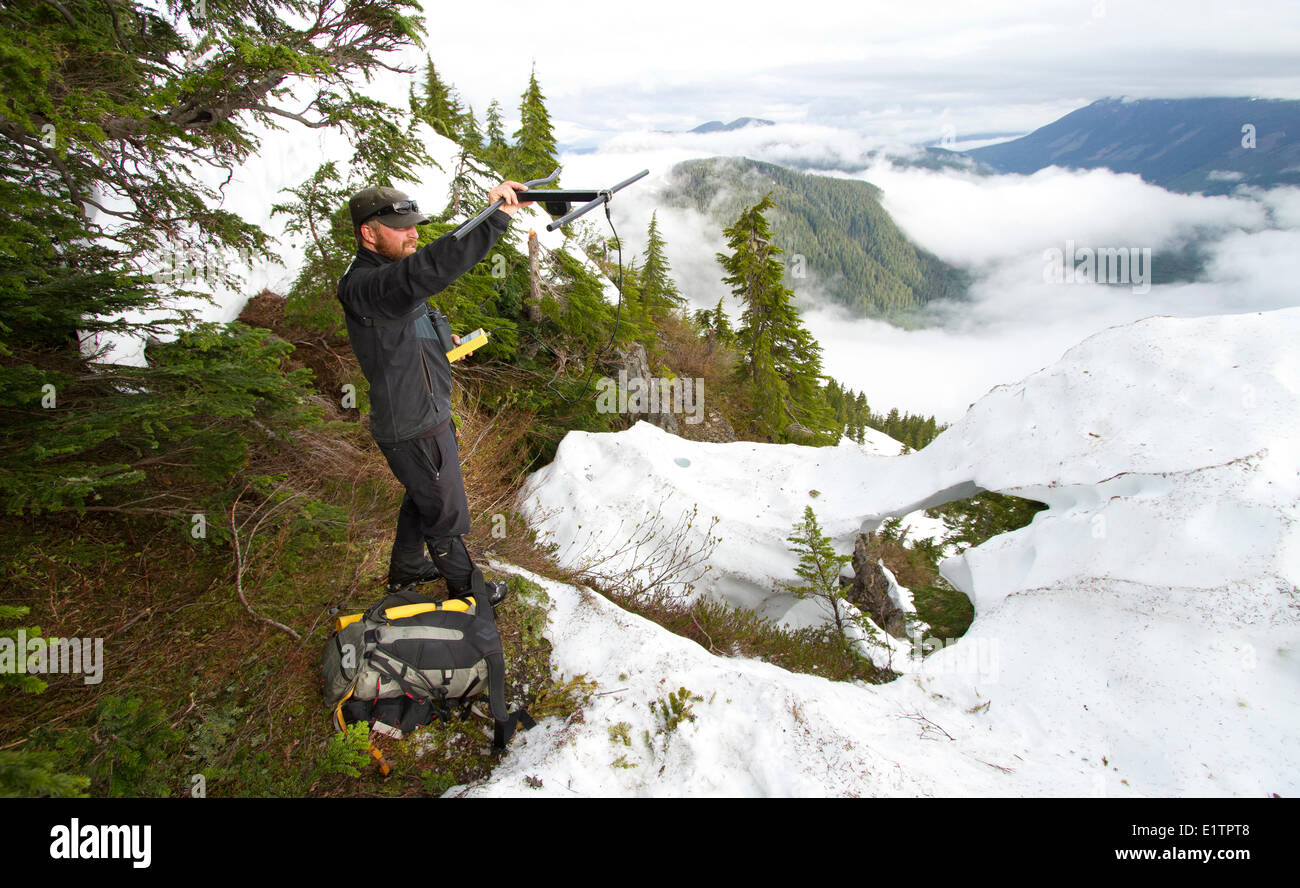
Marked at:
<point>434,511</point>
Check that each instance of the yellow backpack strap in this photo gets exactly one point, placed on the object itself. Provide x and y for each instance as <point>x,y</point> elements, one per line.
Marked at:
<point>338,712</point>
<point>345,620</point>
<point>456,605</point>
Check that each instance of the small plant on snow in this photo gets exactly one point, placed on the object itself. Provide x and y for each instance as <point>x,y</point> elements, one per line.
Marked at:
<point>674,709</point>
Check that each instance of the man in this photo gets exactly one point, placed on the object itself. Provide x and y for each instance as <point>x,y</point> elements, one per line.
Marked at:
<point>396,338</point>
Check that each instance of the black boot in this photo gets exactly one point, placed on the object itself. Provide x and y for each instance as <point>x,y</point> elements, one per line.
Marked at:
<point>409,569</point>
<point>497,592</point>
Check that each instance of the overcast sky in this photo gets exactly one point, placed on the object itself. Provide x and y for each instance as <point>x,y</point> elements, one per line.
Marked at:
<point>900,69</point>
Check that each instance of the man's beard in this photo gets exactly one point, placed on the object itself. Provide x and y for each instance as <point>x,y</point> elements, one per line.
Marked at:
<point>396,252</point>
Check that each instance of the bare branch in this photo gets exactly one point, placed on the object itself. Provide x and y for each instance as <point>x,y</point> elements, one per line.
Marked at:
<point>239,564</point>
<point>314,124</point>
<point>64,12</point>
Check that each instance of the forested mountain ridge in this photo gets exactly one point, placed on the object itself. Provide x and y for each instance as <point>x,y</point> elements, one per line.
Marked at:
<point>836,235</point>
<point>1206,145</point>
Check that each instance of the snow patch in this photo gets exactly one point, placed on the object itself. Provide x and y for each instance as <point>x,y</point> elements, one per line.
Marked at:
<point>1138,638</point>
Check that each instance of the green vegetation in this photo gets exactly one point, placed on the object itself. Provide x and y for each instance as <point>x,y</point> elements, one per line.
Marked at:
<point>439,106</point>
<point>739,632</point>
<point>912,431</point>
<point>915,564</point>
<point>496,149</point>
<point>128,490</point>
<point>717,324</point>
<point>854,416</point>
<point>780,361</point>
<point>849,247</point>
<point>28,772</point>
<point>121,749</point>
<point>209,692</point>
<point>972,521</point>
<point>658,294</point>
<point>673,709</point>
<point>535,153</point>
<point>819,568</point>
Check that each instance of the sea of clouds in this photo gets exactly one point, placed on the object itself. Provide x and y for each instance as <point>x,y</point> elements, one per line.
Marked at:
<point>1001,228</point>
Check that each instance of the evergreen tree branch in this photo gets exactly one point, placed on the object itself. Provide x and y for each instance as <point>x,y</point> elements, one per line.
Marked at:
<point>314,124</point>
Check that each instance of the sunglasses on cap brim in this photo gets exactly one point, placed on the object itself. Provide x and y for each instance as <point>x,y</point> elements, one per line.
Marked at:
<point>400,207</point>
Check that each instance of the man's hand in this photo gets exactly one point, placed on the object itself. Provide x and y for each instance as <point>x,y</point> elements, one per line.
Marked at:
<point>506,192</point>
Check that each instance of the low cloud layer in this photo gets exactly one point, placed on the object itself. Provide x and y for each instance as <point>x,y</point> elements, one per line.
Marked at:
<point>1001,228</point>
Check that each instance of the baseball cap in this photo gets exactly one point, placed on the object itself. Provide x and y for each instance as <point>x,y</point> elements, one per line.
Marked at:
<point>387,205</point>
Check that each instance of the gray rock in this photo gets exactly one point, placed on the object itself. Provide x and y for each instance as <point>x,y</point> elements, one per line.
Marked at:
<point>869,590</point>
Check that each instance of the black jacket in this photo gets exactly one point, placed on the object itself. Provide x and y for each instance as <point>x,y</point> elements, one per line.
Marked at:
<point>386,306</point>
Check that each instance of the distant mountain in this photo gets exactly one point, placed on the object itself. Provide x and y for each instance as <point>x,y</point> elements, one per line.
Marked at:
<point>1190,145</point>
<point>850,248</point>
<point>717,126</point>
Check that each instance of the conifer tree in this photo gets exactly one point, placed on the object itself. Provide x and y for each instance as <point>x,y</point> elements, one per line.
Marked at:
<point>715,320</point>
<point>470,134</point>
<point>779,358</point>
<point>835,400</point>
<point>658,291</point>
<point>535,152</point>
<point>633,304</point>
<point>109,108</point>
<point>496,151</point>
<point>819,568</point>
<point>438,106</point>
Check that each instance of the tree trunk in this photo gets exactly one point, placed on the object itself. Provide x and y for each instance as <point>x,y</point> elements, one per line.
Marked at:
<point>533,308</point>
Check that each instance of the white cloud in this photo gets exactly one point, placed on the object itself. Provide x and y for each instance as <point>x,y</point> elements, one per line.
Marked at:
<point>996,226</point>
<point>994,65</point>
<point>981,220</point>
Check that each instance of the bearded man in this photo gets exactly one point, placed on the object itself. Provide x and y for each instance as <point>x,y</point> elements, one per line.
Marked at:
<point>402,344</point>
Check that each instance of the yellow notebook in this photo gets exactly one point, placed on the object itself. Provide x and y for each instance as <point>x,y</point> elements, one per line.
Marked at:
<point>468,344</point>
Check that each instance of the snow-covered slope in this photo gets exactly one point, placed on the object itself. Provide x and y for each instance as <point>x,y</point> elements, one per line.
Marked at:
<point>1139,637</point>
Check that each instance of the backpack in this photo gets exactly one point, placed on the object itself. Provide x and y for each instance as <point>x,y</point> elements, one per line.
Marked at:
<point>410,659</point>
